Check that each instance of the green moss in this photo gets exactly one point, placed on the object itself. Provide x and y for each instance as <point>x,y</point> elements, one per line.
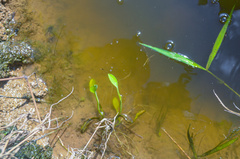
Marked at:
<point>12,53</point>
<point>33,150</point>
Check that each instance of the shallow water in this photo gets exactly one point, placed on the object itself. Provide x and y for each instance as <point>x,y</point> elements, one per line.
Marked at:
<point>93,38</point>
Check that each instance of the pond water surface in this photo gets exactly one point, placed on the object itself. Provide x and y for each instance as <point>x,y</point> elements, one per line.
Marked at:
<point>91,38</point>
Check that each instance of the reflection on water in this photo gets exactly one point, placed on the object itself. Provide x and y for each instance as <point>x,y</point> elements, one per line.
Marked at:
<point>93,38</point>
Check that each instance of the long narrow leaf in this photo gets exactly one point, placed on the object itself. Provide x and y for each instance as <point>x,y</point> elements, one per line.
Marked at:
<point>218,148</point>
<point>174,56</point>
<point>219,40</point>
<point>190,139</point>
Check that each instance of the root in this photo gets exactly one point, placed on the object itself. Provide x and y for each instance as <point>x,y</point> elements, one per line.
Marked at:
<point>8,144</point>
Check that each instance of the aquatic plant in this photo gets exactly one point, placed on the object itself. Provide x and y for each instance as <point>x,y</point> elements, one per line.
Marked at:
<point>183,59</point>
<point>117,104</point>
<point>106,125</point>
<point>230,139</point>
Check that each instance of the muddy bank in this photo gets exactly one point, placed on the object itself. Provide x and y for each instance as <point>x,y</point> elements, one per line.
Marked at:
<point>21,125</point>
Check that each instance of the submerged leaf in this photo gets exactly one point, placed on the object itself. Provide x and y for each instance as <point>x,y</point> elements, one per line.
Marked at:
<point>116,104</point>
<point>126,118</point>
<point>92,86</point>
<point>138,114</point>
<point>219,40</point>
<point>113,80</point>
<point>85,125</point>
<point>218,148</point>
<point>174,56</point>
<point>190,139</point>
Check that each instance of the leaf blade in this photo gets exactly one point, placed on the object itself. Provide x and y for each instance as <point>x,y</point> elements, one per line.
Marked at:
<point>138,114</point>
<point>116,104</point>
<point>174,56</point>
<point>219,40</point>
<point>92,85</point>
<point>113,80</point>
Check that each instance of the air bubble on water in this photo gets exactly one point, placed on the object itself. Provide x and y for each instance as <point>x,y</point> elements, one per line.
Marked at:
<point>138,34</point>
<point>120,2</point>
<point>169,45</point>
<point>214,1</point>
<point>223,17</point>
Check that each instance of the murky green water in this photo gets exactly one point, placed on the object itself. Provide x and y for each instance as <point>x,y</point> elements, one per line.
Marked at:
<point>93,38</point>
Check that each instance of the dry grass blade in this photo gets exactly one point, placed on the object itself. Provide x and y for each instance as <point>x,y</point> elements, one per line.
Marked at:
<point>226,108</point>
<point>12,142</point>
<point>176,144</point>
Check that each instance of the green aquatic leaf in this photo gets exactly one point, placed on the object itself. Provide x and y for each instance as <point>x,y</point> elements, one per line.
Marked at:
<point>219,40</point>
<point>190,139</point>
<point>174,56</point>
<point>113,80</point>
<point>218,148</point>
<point>138,114</point>
<point>85,125</point>
<point>116,104</point>
<point>93,86</point>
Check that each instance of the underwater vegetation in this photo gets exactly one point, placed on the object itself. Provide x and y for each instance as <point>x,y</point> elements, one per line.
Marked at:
<point>107,125</point>
<point>233,136</point>
<point>29,149</point>
<point>117,103</point>
<point>230,139</point>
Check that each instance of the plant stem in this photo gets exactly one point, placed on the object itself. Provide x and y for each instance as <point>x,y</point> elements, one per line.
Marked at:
<point>223,82</point>
<point>98,105</point>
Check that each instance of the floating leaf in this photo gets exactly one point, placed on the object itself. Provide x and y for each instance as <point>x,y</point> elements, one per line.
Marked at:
<point>116,104</point>
<point>219,40</point>
<point>113,80</point>
<point>174,56</point>
<point>93,86</point>
<point>138,114</point>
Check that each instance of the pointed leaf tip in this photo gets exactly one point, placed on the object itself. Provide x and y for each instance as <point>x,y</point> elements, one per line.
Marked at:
<point>219,40</point>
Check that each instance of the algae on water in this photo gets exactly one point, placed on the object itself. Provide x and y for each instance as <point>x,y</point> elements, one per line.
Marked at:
<point>12,53</point>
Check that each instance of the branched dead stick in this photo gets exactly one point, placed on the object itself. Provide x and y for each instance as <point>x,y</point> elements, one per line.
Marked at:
<point>12,78</point>
<point>23,115</point>
<point>112,125</point>
<point>227,109</point>
<point>22,142</point>
<point>5,146</point>
<point>176,143</point>
<point>34,101</point>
